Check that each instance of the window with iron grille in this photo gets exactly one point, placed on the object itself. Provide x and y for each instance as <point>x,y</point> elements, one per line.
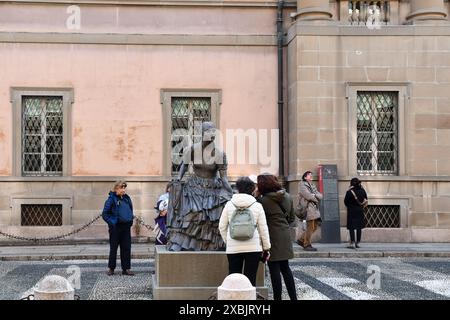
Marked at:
<point>382,216</point>
<point>377,132</point>
<point>187,113</point>
<point>42,136</point>
<point>41,214</point>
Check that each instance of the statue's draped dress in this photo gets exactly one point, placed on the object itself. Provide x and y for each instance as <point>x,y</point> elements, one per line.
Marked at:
<point>195,208</point>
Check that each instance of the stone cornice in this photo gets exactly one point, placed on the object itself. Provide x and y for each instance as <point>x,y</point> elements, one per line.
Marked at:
<point>138,39</point>
<point>302,29</point>
<point>298,177</point>
<point>95,179</point>
<point>207,3</point>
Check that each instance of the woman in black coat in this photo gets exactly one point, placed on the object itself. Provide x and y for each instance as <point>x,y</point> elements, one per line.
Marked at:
<point>355,200</point>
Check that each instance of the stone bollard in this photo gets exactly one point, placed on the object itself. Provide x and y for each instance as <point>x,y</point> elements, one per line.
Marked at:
<point>236,286</point>
<point>54,288</point>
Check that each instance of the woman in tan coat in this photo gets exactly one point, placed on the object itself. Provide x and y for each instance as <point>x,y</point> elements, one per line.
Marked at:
<point>309,198</point>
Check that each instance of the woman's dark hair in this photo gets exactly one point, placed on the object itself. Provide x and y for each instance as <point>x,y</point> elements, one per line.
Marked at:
<point>245,185</point>
<point>355,182</point>
<point>268,183</point>
<point>305,174</point>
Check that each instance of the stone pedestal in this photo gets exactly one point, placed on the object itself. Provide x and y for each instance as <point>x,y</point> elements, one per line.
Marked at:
<point>426,11</point>
<point>193,275</point>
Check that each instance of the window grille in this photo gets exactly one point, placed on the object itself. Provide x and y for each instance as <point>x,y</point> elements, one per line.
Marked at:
<point>382,216</point>
<point>41,215</point>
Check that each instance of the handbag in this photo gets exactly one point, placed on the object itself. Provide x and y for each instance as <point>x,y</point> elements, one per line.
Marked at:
<point>301,210</point>
<point>363,204</point>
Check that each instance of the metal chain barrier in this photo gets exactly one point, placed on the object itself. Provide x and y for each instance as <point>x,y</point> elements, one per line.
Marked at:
<point>44,239</point>
<point>65,235</point>
<point>31,297</point>
<point>142,222</point>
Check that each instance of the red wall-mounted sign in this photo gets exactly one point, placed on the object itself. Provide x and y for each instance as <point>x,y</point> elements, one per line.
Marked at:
<point>320,175</point>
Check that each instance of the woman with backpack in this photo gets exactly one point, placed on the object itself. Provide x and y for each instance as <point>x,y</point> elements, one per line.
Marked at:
<point>244,250</point>
<point>279,209</point>
<point>355,200</point>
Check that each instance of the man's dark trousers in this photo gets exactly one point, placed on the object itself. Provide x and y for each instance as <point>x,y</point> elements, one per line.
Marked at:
<point>120,235</point>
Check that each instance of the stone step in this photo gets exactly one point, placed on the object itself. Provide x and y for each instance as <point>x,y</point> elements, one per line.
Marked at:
<point>87,241</point>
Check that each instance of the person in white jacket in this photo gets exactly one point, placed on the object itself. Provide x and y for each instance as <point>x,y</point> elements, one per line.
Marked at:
<point>245,254</point>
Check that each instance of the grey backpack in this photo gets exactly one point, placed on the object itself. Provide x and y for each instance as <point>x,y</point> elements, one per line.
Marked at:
<point>242,223</point>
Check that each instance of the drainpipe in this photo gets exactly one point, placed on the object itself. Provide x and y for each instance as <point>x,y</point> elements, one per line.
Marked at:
<point>280,87</point>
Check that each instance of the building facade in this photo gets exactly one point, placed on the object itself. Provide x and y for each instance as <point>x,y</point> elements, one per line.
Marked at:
<point>93,91</point>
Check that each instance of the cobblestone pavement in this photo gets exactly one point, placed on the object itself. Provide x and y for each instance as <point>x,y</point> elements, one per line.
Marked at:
<point>316,279</point>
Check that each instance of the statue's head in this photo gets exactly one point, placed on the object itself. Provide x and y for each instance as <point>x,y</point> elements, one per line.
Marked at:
<point>208,131</point>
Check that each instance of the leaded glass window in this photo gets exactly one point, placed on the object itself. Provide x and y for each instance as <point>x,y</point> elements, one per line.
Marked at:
<point>377,133</point>
<point>42,136</point>
<point>187,114</point>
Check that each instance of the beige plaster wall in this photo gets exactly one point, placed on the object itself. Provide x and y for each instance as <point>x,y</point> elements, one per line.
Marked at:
<point>117,115</point>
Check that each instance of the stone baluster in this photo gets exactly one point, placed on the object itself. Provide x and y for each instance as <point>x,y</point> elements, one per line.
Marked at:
<point>383,12</point>
<point>362,12</point>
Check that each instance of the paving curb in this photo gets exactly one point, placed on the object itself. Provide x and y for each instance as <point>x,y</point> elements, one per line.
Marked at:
<point>78,242</point>
<point>372,254</point>
<point>71,257</point>
<point>297,254</point>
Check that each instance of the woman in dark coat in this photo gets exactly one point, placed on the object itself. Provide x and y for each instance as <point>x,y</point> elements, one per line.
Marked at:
<point>118,214</point>
<point>354,200</point>
<point>279,209</point>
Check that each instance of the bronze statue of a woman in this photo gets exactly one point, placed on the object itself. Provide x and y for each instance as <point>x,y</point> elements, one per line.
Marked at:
<point>195,206</point>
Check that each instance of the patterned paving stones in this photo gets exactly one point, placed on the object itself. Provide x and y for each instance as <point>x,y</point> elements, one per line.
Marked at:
<point>316,279</point>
